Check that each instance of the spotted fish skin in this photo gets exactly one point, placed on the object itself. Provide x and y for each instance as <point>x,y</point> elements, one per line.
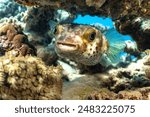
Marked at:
<point>81,43</point>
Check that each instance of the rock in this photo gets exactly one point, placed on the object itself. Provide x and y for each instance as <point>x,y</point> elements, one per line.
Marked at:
<point>115,8</point>
<point>126,82</point>
<point>131,48</point>
<point>125,14</point>
<point>9,8</point>
<point>12,38</point>
<point>136,94</point>
<point>37,19</point>
<point>135,75</point>
<point>62,16</point>
<point>130,95</point>
<point>103,94</point>
<point>29,78</point>
<point>47,54</point>
<point>40,23</point>
<point>95,3</point>
<point>147,69</point>
<point>131,82</point>
<point>138,28</point>
<point>80,88</point>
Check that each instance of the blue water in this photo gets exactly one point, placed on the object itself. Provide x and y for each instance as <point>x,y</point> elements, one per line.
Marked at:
<point>107,22</point>
<point>87,19</point>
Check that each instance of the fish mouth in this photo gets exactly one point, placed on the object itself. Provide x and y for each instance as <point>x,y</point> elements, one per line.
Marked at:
<point>66,46</point>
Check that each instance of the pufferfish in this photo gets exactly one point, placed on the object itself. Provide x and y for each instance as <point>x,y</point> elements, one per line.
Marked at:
<point>87,45</point>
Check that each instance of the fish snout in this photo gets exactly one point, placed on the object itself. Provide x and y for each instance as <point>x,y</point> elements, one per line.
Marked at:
<point>64,46</point>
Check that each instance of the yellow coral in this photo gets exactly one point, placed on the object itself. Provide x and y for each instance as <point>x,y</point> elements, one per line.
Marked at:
<point>29,78</point>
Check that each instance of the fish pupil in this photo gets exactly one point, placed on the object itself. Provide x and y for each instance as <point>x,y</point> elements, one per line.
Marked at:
<point>92,36</point>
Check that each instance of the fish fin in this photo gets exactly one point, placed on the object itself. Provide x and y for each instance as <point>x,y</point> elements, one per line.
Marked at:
<point>105,61</point>
<point>116,45</point>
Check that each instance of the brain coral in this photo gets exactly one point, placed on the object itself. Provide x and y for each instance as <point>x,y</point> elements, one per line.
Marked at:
<point>12,38</point>
<point>29,78</point>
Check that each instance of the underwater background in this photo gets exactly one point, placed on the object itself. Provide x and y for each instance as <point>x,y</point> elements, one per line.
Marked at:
<point>31,68</point>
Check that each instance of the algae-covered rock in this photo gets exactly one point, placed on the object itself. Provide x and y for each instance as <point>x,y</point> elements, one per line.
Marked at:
<point>103,94</point>
<point>112,8</point>
<point>147,69</point>
<point>29,78</point>
<point>138,28</point>
<point>37,19</point>
<point>12,38</point>
<point>130,95</point>
<point>135,94</point>
<point>135,75</point>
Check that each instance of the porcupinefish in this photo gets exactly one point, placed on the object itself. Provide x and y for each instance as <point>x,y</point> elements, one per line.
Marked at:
<point>87,45</point>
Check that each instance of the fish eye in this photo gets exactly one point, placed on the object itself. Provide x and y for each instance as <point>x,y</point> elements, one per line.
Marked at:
<point>92,36</point>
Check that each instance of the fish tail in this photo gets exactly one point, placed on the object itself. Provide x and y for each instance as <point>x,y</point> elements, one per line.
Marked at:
<point>116,45</point>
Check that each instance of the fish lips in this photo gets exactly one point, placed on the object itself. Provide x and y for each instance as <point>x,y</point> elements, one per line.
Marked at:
<point>66,46</point>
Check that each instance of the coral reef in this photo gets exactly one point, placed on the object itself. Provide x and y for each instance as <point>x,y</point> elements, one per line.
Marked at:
<point>63,16</point>
<point>12,38</point>
<point>135,75</point>
<point>131,48</point>
<point>40,33</point>
<point>138,28</point>
<point>147,69</point>
<point>29,78</point>
<point>9,8</point>
<point>130,95</point>
<point>124,12</point>
<point>131,82</point>
<point>11,12</point>
<point>115,8</point>
<point>105,94</point>
<point>37,19</point>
